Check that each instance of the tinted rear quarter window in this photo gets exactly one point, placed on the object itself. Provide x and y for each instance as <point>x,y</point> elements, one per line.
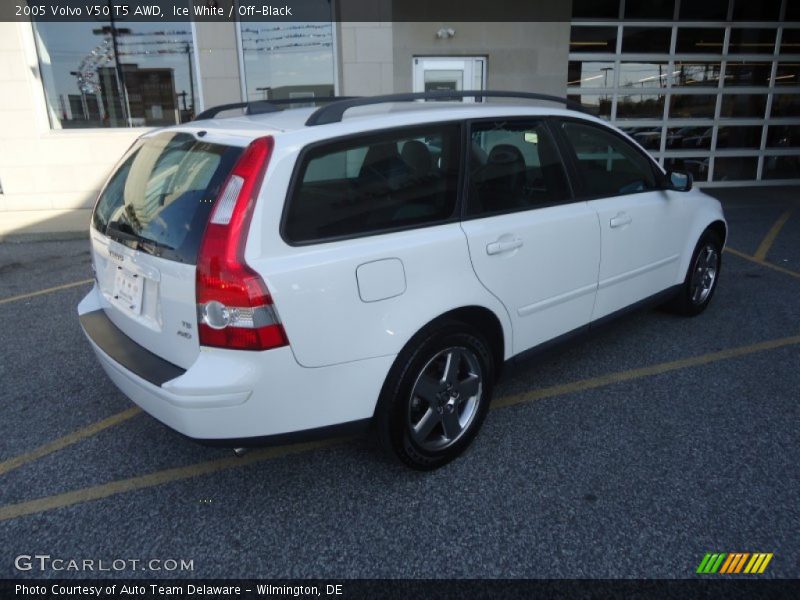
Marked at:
<point>375,183</point>
<point>163,192</point>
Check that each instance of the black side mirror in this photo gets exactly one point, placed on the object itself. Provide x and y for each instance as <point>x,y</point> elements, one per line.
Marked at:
<point>680,181</point>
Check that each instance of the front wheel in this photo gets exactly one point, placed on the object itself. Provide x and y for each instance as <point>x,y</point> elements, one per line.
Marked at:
<point>701,279</point>
<point>436,397</point>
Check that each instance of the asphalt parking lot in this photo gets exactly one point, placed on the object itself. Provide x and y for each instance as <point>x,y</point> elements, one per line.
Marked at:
<point>630,454</point>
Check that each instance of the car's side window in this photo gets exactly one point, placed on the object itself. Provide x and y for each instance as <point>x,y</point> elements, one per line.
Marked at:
<point>609,165</point>
<point>513,165</point>
<point>375,183</point>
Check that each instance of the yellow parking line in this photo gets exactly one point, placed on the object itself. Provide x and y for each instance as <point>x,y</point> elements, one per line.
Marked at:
<point>57,288</point>
<point>769,239</point>
<point>68,440</point>
<point>79,496</point>
<point>763,263</point>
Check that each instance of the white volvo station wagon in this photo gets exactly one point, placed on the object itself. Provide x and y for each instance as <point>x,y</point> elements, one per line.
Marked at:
<point>374,262</point>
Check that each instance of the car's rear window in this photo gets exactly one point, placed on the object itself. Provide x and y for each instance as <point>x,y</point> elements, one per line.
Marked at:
<point>161,195</point>
<point>375,183</point>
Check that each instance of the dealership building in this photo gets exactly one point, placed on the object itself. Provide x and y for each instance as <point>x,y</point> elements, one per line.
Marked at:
<point>707,86</point>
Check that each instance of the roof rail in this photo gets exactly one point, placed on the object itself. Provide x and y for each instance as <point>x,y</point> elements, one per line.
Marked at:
<point>333,113</point>
<point>265,106</point>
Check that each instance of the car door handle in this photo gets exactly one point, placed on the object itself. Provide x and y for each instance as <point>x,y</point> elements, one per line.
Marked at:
<point>620,220</point>
<point>503,246</point>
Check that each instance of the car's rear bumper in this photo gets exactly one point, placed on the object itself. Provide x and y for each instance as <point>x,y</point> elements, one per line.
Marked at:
<point>235,395</point>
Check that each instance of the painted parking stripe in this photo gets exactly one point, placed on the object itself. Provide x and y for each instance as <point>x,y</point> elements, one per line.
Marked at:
<point>763,263</point>
<point>772,234</point>
<point>156,478</point>
<point>68,440</point>
<point>57,288</point>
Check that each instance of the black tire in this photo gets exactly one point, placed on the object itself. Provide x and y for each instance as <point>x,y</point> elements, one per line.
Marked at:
<point>693,298</point>
<point>402,416</point>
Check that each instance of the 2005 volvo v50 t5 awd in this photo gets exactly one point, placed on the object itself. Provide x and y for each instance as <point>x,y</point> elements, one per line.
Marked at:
<point>302,272</point>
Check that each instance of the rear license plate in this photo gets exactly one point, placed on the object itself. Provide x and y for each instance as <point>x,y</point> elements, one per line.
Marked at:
<point>128,290</point>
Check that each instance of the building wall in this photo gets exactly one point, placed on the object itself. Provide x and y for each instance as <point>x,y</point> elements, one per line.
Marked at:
<point>520,56</point>
<point>366,60</point>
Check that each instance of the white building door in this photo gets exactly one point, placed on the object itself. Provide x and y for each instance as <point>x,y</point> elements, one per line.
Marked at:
<point>446,73</point>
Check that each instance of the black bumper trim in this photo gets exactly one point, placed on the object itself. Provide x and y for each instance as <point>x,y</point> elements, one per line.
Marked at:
<point>347,429</point>
<point>125,351</point>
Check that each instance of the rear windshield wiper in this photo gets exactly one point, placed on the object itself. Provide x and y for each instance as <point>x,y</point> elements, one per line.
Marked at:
<point>122,232</point>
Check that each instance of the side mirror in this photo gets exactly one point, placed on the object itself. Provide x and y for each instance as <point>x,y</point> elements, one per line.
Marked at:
<point>680,181</point>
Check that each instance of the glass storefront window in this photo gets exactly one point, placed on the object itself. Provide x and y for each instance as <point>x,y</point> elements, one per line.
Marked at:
<point>595,9</point>
<point>790,41</point>
<point>696,165</point>
<point>598,104</point>
<point>699,40</point>
<point>646,40</point>
<point>751,41</point>
<point>735,168</point>
<point>696,74</point>
<point>593,39</point>
<point>649,9</point>
<point>648,137</point>
<point>694,138</point>
<point>753,74</point>
<point>783,136</point>
<point>643,75</point>
<point>694,106</point>
<point>705,10</point>
<point>104,74</point>
<point>640,106</point>
<point>739,137</point>
<point>782,167</point>
<point>744,105</point>
<point>288,60</point>
<point>788,73</point>
<point>590,74</point>
<point>786,105</point>
<point>762,10</point>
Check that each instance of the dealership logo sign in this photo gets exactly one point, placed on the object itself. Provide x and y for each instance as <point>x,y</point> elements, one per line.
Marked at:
<point>735,562</point>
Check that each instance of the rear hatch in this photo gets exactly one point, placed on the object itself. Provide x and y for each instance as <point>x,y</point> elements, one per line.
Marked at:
<point>146,231</point>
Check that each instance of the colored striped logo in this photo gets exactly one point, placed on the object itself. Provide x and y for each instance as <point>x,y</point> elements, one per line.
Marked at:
<point>734,562</point>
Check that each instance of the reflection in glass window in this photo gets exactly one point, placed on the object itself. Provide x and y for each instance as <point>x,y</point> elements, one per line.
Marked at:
<point>646,39</point>
<point>739,137</point>
<point>735,168</point>
<point>593,39</point>
<point>786,105</point>
<point>752,41</point>
<point>130,75</point>
<point>699,40</point>
<point>744,105</point>
<point>781,167</point>
<point>747,73</point>
<point>783,136</point>
<point>590,74</point>
<point>787,73</point>
<point>685,106</point>
<point>790,41</point>
<point>647,137</point>
<point>697,166</point>
<point>694,138</point>
<point>640,106</point>
<point>696,74</point>
<point>287,60</point>
<point>598,104</point>
<point>643,75</point>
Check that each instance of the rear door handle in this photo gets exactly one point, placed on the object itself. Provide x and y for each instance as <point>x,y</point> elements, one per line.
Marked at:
<point>620,220</point>
<point>503,246</point>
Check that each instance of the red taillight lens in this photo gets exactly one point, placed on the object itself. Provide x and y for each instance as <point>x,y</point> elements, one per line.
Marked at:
<point>234,307</point>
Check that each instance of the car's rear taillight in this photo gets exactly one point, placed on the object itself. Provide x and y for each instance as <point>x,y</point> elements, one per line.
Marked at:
<point>234,307</point>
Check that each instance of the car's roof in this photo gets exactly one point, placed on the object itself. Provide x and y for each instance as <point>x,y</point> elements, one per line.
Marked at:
<point>363,118</point>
